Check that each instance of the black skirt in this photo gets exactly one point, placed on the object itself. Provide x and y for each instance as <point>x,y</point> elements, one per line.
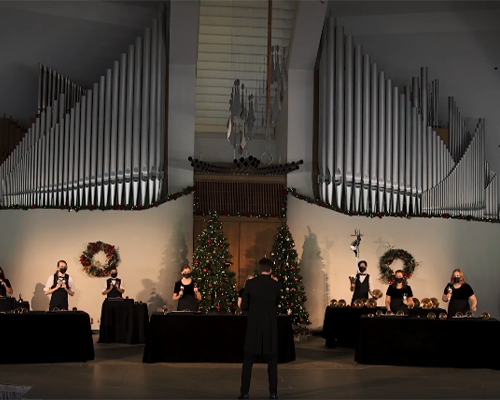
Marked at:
<point>187,303</point>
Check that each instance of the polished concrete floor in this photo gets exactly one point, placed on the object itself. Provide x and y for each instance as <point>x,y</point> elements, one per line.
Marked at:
<point>318,373</point>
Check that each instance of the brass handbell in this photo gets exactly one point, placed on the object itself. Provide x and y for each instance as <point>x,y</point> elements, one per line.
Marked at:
<point>435,302</point>
<point>371,303</point>
<point>377,293</point>
<point>426,303</point>
<point>358,303</point>
<point>431,315</point>
<point>388,312</point>
<point>333,303</point>
<point>238,312</point>
<point>459,314</point>
<point>378,313</point>
<point>165,310</point>
<point>469,314</point>
<point>416,303</point>
<point>400,313</point>
<point>352,278</point>
<point>341,303</point>
<point>443,315</point>
<point>485,315</point>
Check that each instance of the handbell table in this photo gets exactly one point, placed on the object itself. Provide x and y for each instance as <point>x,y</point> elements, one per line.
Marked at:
<point>46,337</point>
<point>123,321</point>
<point>341,324</point>
<point>192,337</point>
<point>454,342</point>
<point>10,303</point>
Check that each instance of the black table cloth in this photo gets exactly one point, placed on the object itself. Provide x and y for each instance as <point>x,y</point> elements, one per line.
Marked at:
<point>191,337</point>
<point>10,303</point>
<point>454,342</point>
<point>46,337</point>
<point>123,321</point>
<point>341,325</point>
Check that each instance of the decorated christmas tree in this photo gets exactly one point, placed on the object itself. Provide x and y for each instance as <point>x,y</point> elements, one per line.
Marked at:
<point>211,262</point>
<point>287,269</point>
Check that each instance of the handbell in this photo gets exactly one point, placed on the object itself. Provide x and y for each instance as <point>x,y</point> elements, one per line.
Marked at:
<point>358,303</point>
<point>400,313</point>
<point>469,314</point>
<point>371,303</point>
<point>377,293</point>
<point>426,303</point>
<point>443,315</point>
<point>378,313</point>
<point>352,278</point>
<point>459,314</point>
<point>431,315</point>
<point>485,315</point>
<point>333,303</point>
<point>416,303</point>
<point>435,302</point>
<point>341,303</point>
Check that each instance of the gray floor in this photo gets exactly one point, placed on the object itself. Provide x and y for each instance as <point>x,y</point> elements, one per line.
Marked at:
<point>318,373</point>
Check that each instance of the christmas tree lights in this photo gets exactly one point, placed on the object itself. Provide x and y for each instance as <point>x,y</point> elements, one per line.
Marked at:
<point>211,262</point>
<point>287,269</point>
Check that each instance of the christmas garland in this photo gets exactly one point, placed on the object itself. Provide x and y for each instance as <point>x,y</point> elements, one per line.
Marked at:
<point>174,196</point>
<point>94,267</point>
<point>401,214</point>
<point>386,272</point>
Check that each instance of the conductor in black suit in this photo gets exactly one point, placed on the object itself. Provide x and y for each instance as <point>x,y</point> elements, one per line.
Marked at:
<point>260,299</point>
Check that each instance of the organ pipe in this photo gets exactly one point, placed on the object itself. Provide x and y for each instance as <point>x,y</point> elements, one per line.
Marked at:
<point>384,142</point>
<point>102,146</point>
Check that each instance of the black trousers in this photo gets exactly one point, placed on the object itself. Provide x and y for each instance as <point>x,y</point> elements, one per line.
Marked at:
<point>272,372</point>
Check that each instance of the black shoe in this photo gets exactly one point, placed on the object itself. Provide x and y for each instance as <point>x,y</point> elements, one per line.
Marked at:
<point>246,396</point>
<point>273,396</point>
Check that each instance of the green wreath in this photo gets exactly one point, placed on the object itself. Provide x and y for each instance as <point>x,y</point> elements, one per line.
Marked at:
<point>386,272</point>
<point>94,267</point>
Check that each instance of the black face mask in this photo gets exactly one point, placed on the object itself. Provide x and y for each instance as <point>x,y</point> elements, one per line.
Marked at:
<point>186,275</point>
<point>398,280</point>
<point>114,275</point>
<point>456,280</point>
<point>63,270</point>
<point>362,269</point>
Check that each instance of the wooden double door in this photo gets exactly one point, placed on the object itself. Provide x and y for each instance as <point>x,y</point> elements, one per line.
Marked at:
<point>249,240</point>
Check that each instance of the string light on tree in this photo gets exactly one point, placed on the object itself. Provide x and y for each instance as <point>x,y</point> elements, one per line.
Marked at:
<point>286,268</point>
<point>211,261</point>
